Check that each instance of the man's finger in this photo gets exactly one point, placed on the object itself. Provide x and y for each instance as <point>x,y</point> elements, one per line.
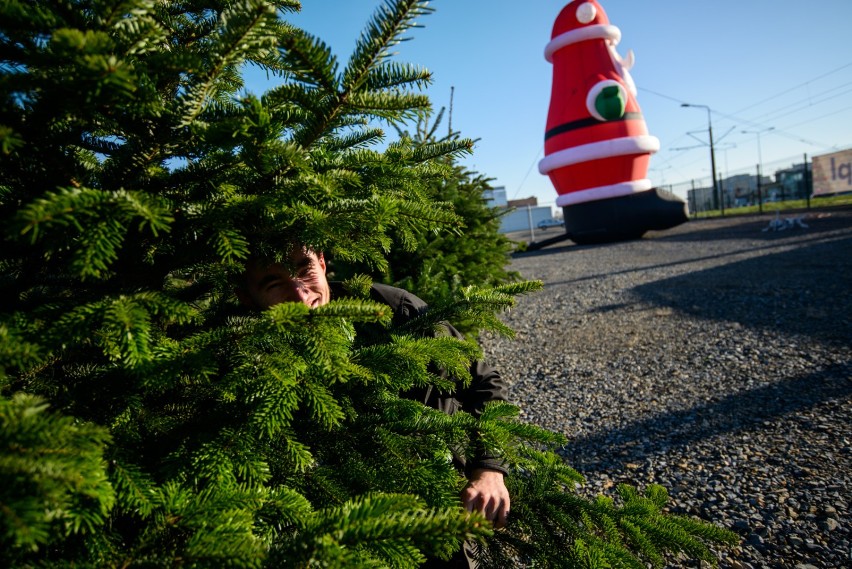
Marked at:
<point>490,507</point>
<point>471,500</point>
<point>502,516</point>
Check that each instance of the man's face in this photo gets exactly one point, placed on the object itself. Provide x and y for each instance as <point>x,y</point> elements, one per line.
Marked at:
<point>301,280</point>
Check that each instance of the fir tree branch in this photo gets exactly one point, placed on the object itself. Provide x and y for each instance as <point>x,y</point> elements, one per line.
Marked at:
<point>384,30</point>
<point>53,475</point>
<point>244,27</point>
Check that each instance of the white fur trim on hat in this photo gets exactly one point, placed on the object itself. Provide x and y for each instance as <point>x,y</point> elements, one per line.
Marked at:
<point>643,144</point>
<point>604,192</point>
<point>598,31</point>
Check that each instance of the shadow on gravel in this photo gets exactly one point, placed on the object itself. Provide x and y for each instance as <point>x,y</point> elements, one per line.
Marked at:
<point>752,227</point>
<point>750,249</point>
<point>569,246</point>
<point>802,291</point>
<point>660,434</point>
<point>727,228</point>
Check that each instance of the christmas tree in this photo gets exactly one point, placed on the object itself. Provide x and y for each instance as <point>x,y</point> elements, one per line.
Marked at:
<point>145,420</point>
<point>438,265</point>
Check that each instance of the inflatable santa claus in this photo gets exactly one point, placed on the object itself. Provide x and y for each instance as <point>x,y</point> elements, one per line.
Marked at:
<point>597,145</point>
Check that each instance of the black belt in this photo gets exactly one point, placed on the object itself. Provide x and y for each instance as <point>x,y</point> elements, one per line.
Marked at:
<point>583,123</point>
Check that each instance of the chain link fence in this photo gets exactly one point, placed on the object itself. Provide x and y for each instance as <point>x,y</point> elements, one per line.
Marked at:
<point>764,188</point>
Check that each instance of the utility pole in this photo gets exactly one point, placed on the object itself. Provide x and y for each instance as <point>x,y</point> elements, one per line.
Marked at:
<point>759,194</point>
<point>716,196</point>
<point>450,119</point>
<point>805,181</point>
<point>759,162</point>
<point>529,219</point>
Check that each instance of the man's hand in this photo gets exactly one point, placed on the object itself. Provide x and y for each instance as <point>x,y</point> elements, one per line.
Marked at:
<point>486,493</point>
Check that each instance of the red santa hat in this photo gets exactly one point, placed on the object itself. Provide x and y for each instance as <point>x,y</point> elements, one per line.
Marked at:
<point>581,20</point>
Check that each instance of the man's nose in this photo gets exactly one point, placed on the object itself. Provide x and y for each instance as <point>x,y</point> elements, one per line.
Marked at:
<point>299,292</point>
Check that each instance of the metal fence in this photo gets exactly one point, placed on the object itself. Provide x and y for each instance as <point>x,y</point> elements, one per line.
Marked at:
<point>762,186</point>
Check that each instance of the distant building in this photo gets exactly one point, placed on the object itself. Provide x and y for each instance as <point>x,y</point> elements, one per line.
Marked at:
<point>520,215</point>
<point>524,218</point>
<point>832,173</point>
<point>700,199</point>
<point>496,197</point>
<point>531,201</point>
<point>790,183</point>
<point>742,189</point>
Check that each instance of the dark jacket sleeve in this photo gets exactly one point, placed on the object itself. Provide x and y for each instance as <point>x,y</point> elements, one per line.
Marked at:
<point>486,384</point>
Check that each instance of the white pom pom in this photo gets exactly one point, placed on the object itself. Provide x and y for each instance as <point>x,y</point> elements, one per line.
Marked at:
<point>586,12</point>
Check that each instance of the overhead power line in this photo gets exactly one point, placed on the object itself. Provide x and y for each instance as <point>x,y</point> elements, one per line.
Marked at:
<point>527,175</point>
<point>801,104</point>
<point>832,72</point>
<point>760,121</point>
<point>768,117</point>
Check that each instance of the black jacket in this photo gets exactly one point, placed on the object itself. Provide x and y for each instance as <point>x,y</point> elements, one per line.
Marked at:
<point>486,385</point>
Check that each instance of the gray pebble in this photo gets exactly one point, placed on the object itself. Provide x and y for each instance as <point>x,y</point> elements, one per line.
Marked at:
<point>712,358</point>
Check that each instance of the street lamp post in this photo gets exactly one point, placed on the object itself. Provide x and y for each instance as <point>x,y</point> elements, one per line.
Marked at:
<point>759,163</point>
<point>758,133</point>
<point>720,202</point>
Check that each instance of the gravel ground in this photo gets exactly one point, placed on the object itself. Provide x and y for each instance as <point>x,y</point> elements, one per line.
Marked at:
<point>715,359</point>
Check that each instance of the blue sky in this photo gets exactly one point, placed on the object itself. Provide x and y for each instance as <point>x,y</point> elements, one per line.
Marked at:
<point>776,66</point>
